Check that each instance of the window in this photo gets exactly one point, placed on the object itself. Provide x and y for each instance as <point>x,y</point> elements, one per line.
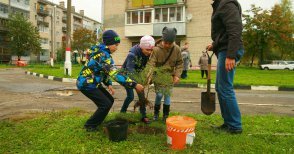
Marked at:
<point>171,14</point>
<point>158,15</point>
<point>129,16</point>
<point>164,14</point>
<point>43,28</point>
<point>58,44</point>
<point>138,17</point>
<point>3,9</point>
<point>44,41</point>
<point>179,13</point>
<point>135,17</point>
<point>141,16</point>
<point>147,16</point>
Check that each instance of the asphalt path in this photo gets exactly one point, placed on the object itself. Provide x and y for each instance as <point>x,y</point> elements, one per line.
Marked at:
<point>23,94</point>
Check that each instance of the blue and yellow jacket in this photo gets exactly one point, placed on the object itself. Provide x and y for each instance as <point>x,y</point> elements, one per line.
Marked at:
<point>99,69</point>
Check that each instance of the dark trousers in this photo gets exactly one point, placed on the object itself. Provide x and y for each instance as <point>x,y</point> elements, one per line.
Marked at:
<point>103,101</point>
<point>130,98</point>
<point>202,73</point>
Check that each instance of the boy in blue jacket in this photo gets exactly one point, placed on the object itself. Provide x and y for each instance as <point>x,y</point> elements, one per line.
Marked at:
<point>136,62</point>
<point>99,69</point>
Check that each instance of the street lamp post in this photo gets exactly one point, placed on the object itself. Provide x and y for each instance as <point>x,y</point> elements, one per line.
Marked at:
<point>67,63</point>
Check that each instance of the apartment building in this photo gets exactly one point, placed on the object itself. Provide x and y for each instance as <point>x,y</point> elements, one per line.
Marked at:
<point>134,18</point>
<point>6,7</point>
<point>49,18</point>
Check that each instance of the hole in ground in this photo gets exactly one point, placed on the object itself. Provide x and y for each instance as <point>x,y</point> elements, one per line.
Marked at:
<point>150,130</point>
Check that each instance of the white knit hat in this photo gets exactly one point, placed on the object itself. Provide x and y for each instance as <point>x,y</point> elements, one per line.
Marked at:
<point>147,42</point>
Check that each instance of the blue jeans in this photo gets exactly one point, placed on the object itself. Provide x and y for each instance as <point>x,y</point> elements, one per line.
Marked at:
<point>225,90</point>
<point>129,99</point>
<point>159,96</point>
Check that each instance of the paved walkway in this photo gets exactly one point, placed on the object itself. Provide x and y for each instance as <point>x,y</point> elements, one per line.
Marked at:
<point>22,93</point>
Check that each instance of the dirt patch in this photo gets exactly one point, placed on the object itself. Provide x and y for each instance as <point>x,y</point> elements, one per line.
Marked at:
<point>150,130</point>
<point>24,116</point>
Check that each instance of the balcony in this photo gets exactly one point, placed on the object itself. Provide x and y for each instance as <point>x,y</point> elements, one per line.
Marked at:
<point>64,29</point>
<point>64,19</point>
<point>138,30</point>
<point>143,22</point>
<point>45,46</point>
<point>3,25</point>
<point>24,5</point>
<point>148,3</point>
<point>164,2</point>
<point>4,11</point>
<point>43,12</point>
<point>180,26</point>
<point>46,24</point>
<point>77,23</point>
<point>154,29</point>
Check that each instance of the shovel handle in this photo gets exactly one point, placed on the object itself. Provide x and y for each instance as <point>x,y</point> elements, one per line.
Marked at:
<point>209,71</point>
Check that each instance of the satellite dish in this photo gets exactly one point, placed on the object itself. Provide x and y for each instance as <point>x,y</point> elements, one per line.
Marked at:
<point>189,17</point>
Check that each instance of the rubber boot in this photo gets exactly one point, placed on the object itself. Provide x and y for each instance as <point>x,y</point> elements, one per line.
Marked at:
<point>156,112</point>
<point>165,112</point>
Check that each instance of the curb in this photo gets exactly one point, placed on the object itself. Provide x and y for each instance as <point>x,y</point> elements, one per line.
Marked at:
<point>187,85</point>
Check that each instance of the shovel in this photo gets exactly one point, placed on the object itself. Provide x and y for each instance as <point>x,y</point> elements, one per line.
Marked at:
<point>208,98</point>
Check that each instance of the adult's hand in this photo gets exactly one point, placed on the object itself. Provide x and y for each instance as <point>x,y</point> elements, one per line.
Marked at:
<point>230,64</point>
<point>139,88</point>
<point>209,47</point>
<point>111,90</point>
<point>176,79</point>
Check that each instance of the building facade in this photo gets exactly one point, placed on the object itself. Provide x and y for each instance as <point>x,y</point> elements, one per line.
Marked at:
<point>49,18</point>
<point>133,19</point>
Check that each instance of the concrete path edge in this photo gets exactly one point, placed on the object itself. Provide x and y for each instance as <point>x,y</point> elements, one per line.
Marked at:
<point>187,85</point>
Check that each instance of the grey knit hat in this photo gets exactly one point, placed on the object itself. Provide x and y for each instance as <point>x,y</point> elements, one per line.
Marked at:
<point>169,34</point>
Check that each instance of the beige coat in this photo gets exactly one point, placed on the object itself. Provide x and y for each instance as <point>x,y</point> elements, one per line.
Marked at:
<point>174,64</point>
<point>203,62</point>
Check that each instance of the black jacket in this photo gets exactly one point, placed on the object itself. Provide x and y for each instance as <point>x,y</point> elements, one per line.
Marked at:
<point>226,29</point>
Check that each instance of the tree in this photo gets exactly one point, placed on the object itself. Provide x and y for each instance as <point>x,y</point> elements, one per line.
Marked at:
<point>283,29</point>
<point>82,40</point>
<point>24,36</point>
<point>256,34</point>
<point>268,34</point>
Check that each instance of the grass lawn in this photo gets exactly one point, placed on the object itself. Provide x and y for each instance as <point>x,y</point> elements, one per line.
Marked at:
<point>62,132</point>
<point>244,75</point>
<point>7,66</point>
<point>250,76</point>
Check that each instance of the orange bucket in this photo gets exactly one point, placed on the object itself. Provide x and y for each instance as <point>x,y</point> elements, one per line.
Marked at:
<point>177,129</point>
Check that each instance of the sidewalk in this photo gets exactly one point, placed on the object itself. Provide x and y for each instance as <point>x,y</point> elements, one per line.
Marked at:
<point>187,85</point>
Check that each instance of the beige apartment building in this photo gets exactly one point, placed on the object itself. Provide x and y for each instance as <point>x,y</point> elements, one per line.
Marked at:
<point>50,18</point>
<point>134,18</point>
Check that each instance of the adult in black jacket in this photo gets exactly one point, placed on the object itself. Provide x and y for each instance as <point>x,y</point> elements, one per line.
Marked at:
<point>226,33</point>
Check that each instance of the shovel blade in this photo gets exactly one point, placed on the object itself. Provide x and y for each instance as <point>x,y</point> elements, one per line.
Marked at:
<point>207,103</point>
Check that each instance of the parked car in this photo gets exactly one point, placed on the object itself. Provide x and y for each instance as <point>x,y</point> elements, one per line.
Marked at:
<point>290,62</point>
<point>278,65</point>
